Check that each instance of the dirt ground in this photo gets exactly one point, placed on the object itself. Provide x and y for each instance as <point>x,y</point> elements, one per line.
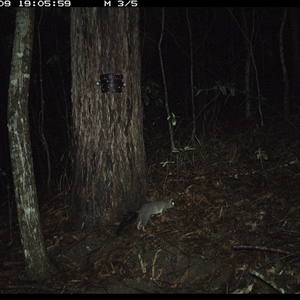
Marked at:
<point>234,228</point>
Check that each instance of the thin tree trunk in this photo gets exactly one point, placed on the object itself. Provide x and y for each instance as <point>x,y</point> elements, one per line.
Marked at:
<point>249,44</point>
<point>286,100</point>
<point>248,113</point>
<point>192,78</point>
<point>36,260</point>
<point>171,133</point>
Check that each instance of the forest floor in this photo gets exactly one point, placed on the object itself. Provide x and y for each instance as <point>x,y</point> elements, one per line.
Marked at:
<point>235,227</point>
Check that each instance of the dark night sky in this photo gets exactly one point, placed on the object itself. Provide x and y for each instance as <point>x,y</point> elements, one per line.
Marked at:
<point>219,48</point>
<point>219,56</point>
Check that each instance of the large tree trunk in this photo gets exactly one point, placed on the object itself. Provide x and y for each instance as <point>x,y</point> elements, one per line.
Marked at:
<point>36,261</point>
<point>109,174</point>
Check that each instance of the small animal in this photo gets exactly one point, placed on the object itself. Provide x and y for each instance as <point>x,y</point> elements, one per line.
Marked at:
<point>144,213</point>
<point>152,208</point>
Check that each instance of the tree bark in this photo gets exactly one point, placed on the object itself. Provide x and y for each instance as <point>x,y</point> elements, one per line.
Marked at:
<point>36,261</point>
<point>109,172</point>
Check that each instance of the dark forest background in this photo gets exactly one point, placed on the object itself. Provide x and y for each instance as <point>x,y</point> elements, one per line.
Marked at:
<point>220,55</point>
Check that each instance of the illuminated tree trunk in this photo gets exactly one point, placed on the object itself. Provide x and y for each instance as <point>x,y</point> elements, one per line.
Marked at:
<point>36,261</point>
<point>109,172</point>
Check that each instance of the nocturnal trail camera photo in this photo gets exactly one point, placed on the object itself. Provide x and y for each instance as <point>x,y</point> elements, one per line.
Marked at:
<point>149,149</point>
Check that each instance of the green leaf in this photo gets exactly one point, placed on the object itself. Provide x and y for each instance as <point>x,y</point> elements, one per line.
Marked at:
<point>173,119</point>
